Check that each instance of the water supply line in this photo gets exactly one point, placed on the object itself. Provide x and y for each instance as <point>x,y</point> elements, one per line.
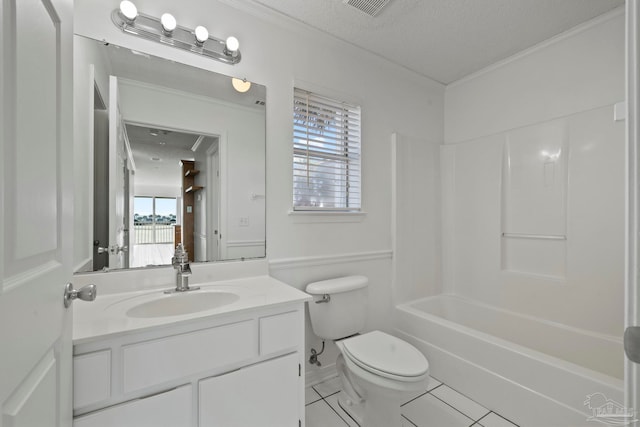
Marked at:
<point>313,359</point>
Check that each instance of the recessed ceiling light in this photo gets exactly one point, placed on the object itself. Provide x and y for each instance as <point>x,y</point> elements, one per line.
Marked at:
<point>156,159</point>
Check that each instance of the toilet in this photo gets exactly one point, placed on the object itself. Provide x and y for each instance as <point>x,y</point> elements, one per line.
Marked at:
<point>378,371</point>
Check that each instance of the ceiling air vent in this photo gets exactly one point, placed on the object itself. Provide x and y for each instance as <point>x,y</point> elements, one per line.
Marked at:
<point>370,7</point>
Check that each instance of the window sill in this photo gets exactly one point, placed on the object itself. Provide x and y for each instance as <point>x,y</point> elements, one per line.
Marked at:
<point>307,217</point>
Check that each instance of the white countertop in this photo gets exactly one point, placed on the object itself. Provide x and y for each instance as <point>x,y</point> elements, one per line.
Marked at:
<point>107,315</point>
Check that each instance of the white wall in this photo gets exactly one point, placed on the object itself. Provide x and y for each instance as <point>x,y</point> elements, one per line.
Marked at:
<point>279,53</point>
<point>562,92</point>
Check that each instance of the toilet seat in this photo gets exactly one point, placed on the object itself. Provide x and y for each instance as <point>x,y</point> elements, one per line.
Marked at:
<point>386,356</point>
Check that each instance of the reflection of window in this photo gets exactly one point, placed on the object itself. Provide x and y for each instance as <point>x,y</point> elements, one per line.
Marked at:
<point>154,218</point>
<point>326,154</point>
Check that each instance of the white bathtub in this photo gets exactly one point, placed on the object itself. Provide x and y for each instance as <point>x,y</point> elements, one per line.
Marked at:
<point>534,372</point>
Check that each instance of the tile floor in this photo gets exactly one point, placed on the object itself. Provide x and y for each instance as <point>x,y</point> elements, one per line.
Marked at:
<point>439,405</point>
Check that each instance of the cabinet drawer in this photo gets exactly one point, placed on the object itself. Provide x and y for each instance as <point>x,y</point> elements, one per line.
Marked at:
<point>91,378</point>
<point>280,332</point>
<point>179,356</point>
<point>168,409</point>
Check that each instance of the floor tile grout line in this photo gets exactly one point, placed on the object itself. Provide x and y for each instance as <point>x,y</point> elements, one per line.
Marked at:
<point>420,395</point>
<point>311,403</point>
<point>467,397</point>
<point>316,392</point>
<point>484,416</point>
<point>412,423</point>
<point>417,397</point>
<point>475,422</point>
<point>498,415</point>
<point>456,409</point>
<point>336,412</point>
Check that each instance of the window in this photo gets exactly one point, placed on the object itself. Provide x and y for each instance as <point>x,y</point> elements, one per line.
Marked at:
<point>326,154</point>
<point>154,219</point>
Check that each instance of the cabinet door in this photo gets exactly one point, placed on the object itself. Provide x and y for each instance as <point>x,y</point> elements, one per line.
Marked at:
<point>169,409</point>
<point>261,395</point>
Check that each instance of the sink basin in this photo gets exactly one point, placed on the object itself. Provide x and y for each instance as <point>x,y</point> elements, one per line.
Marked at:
<point>181,303</point>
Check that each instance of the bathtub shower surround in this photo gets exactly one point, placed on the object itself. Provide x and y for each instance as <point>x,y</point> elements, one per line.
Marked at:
<point>533,204</point>
<point>534,226</point>
<point>534,220</point>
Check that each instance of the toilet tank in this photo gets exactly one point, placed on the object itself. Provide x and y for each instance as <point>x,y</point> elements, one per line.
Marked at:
<point>345,312</point>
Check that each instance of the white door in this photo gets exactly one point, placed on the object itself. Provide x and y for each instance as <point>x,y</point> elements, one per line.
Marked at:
<point>118,185</point>
<point>36,211</point>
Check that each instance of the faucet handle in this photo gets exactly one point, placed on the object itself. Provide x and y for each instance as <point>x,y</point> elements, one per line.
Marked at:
<point>179,250</point>
<point>180,256</point>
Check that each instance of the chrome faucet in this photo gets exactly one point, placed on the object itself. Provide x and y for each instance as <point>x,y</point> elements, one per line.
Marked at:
<point>180,262</point>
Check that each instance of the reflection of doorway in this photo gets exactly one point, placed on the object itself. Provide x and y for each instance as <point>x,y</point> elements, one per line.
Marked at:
<point>153,230</point>
<point>157,154</point>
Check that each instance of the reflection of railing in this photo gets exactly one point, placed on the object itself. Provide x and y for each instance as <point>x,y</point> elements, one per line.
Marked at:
<point>153,233</point>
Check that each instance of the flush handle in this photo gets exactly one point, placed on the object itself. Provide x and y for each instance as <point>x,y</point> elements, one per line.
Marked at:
<point>86,293</point>
<point>325,298</point>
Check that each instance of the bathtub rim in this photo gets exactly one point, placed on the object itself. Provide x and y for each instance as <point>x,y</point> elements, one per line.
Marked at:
<point>555,361</point>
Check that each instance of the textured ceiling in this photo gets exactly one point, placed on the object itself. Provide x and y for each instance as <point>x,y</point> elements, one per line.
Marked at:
<point>445,39</point>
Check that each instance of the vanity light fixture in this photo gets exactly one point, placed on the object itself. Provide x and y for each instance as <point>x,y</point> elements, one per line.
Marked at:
<point>166,31</point>
<point>129,11</point>
<point>202,35</point>
<point>231,46</point>
<point>241,85</point>
<point>168,23</point>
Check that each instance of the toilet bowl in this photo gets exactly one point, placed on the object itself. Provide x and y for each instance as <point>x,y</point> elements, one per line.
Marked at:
<point>378,371</point>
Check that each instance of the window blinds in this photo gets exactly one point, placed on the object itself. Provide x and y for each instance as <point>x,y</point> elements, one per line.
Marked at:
<point>326,154</point>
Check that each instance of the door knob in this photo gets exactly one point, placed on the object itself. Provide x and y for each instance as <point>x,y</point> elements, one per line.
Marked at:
<point>632,343</point>
<point>86,293</point>
<point>113,249</point>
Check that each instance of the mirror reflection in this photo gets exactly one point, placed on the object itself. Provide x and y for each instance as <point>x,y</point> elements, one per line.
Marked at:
<point>179,157</point>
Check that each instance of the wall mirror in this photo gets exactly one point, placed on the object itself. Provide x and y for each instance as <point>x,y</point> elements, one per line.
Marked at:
<point>179,157</point>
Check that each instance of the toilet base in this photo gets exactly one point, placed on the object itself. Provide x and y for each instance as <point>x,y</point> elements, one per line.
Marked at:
<point>353,409</point>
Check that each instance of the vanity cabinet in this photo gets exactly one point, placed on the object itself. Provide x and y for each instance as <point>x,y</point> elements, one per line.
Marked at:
<point>260,395</point>
<point>237,369</point>
<point>169,409</point>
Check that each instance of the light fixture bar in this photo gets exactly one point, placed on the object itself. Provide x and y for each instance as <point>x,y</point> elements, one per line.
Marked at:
<point>151,28</point>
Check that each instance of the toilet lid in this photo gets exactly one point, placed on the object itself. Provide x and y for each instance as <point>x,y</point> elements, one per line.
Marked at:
<point>378,351</point>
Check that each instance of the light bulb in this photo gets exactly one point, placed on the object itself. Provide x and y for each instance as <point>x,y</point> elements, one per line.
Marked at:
<point>241,85</point>
<point>232,44</point>
<point>168,22</point>
<point>201,34</point>
<point>128,10</point>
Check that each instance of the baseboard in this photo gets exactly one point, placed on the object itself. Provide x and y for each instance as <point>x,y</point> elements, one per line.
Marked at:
<point>318,375</point>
